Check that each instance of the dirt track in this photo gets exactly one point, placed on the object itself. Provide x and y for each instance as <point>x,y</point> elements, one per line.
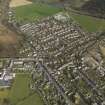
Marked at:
<point>15,3</point>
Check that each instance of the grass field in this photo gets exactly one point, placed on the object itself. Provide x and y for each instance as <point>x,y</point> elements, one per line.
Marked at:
<point>34,12</point>
<point>89,23</point>
<point>3,95</point>
<point>21,94</point>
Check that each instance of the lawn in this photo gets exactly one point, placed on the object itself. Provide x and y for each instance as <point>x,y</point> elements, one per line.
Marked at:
<point>89,23</point>
<point>21,94</point>
<point>32,100</point>
<point>34,12</point>
<point>3,95</point>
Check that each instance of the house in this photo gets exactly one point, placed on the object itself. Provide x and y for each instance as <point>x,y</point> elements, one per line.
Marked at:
<point>6,79</point>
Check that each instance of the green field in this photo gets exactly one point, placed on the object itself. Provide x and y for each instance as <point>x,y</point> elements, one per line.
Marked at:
<point>34,12</point>
<point>21,94</point>
<point>4,96</point>
<point>89,23</point>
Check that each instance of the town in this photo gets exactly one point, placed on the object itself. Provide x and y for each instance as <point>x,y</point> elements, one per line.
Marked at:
<point>66,63</point>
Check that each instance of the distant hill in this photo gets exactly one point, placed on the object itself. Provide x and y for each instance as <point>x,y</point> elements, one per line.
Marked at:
<point>94,8</point>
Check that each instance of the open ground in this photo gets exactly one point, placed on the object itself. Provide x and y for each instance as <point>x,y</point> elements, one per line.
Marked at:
<point>9,43</point>
<point>15,3</point>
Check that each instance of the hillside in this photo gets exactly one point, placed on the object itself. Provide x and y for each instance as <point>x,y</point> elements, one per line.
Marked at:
<point>95,8</point>
<point>9,42</point>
